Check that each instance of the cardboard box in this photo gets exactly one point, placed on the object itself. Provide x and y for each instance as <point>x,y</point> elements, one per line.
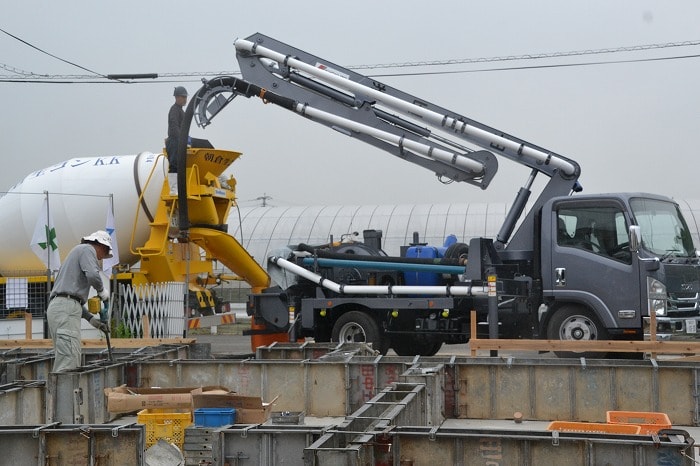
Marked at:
<point>125,399</point>
<point>249,409</point>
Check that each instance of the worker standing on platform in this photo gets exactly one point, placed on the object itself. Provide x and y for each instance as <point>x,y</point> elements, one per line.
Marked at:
<point>79,271</point>
<point>175,117</point>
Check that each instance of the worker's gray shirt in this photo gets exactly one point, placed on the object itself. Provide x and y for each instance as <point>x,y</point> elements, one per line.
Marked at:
<point>79,271</point>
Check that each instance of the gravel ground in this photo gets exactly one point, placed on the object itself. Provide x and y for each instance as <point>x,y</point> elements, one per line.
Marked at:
<point>229,341</point>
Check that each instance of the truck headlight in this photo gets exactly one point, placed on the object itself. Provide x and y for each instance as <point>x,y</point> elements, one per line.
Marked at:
<point>657,296</point>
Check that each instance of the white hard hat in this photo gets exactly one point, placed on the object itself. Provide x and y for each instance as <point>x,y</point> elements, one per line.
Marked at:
<point>102,237</point>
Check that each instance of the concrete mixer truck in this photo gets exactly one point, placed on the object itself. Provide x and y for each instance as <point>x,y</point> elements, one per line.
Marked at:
<point>81,192</point>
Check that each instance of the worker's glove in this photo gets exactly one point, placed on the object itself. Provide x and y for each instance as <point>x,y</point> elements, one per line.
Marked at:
<point>98,324</point>
<point>104,294</point>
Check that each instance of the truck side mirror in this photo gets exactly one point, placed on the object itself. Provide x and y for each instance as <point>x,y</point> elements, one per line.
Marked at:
<point>635,237</point>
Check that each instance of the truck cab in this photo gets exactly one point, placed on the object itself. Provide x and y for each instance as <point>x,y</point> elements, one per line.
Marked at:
<point>601,281</point>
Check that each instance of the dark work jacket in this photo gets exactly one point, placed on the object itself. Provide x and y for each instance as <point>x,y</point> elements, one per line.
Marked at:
<point>175,117</point>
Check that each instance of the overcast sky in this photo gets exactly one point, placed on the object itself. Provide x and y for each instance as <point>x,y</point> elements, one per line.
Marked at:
<point>631,126</point>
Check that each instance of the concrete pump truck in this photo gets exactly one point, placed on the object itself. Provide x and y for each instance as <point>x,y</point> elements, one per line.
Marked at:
<point>563,266</point>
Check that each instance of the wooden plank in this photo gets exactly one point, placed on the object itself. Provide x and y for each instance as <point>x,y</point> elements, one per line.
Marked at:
<point>146,326</point>
<point>100,343</point>
<point>666,347</point>
<point>472,328</point>
<point>28,325</point>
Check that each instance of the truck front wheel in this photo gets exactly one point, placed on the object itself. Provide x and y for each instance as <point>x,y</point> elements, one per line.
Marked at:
<point>576,323</point>
<point>358,327</point>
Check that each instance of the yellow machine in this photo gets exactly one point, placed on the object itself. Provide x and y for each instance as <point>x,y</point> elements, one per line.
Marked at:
<point>162,249</point>
<point>170,255</point>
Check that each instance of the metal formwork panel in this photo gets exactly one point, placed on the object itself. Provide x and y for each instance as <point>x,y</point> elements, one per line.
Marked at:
<point>243,377</point>
<point>78,396</point>
<point>673,390</point>
<point>362,437</point>
<point>28,368</point>
<point>318,388</point>
<point>202,446</point>
<point>341,449</point>
<point>294,350</point>
<point>327,390</point>
<point>23,403</point>
<point>634,387</point>
<point>286,383</point>
<point>367,376</point>
<point>267,445</point>
<point>19,447</point>
<point>502,447</point>
<point>575,390</point>
<point>72,445</point>
<point>432,376</point>
<point>479,388</point>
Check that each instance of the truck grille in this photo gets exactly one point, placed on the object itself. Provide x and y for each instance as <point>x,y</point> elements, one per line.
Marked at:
<point>684,304</point>
<point>683,288</point>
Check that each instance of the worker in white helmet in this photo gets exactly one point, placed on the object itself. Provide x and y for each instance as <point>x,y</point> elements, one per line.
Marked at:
<point>79,271</point>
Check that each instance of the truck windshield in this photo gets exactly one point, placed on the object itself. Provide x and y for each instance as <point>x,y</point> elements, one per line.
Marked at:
<point>664,231</point>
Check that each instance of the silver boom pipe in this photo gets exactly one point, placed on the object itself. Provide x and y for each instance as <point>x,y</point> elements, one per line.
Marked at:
<point>441,155</point>
<point>478,135</point>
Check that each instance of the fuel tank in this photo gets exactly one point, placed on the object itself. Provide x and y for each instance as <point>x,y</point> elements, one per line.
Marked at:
<point>78,192</point>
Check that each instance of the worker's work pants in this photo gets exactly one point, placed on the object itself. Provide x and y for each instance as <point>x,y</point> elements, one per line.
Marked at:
<point>171,150</point>
<point>63,316</point>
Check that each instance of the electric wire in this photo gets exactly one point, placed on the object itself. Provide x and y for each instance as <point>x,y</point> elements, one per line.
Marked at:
<point>529,56</point>
<point>22,76</point>
<point>534,67</point>
<point>52,55</point>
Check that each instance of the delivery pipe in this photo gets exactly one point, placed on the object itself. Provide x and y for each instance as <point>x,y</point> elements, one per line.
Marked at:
<point>441,155</point>
<point>457,290</point>
<point>436,119</point>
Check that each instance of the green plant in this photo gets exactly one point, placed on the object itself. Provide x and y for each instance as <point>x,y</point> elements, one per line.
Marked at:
<point>119,330</point>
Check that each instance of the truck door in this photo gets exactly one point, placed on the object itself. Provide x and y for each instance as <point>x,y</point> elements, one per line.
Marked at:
<point>587,262</point>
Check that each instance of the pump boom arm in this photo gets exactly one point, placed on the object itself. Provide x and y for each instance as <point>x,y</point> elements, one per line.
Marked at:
<point>399,123</point>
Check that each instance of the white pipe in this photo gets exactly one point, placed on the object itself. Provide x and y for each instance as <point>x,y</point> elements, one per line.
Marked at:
<point>425,150</point>
<point>379,289</point>
<point>408,108</point>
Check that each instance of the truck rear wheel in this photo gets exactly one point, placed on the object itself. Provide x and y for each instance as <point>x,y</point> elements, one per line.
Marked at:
<point>576,323</point>
<point>358,327</point>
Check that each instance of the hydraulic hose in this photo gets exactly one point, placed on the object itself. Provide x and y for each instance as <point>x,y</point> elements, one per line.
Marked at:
<point>400,260</point>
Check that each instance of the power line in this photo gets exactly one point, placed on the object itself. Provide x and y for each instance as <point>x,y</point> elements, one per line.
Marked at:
<point>52,55</point>
<point>534,67</point>
<point>529,56</point>
<point>21,76</point>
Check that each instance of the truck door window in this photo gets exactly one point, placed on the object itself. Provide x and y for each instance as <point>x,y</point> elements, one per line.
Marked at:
<point>600,230</point>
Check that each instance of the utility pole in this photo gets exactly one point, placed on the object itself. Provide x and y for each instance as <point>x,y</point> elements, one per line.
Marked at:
<point>264,199</point>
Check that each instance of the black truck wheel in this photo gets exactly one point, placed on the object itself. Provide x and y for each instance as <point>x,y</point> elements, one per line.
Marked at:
<point>576,323</point>
<point>359,327</point>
